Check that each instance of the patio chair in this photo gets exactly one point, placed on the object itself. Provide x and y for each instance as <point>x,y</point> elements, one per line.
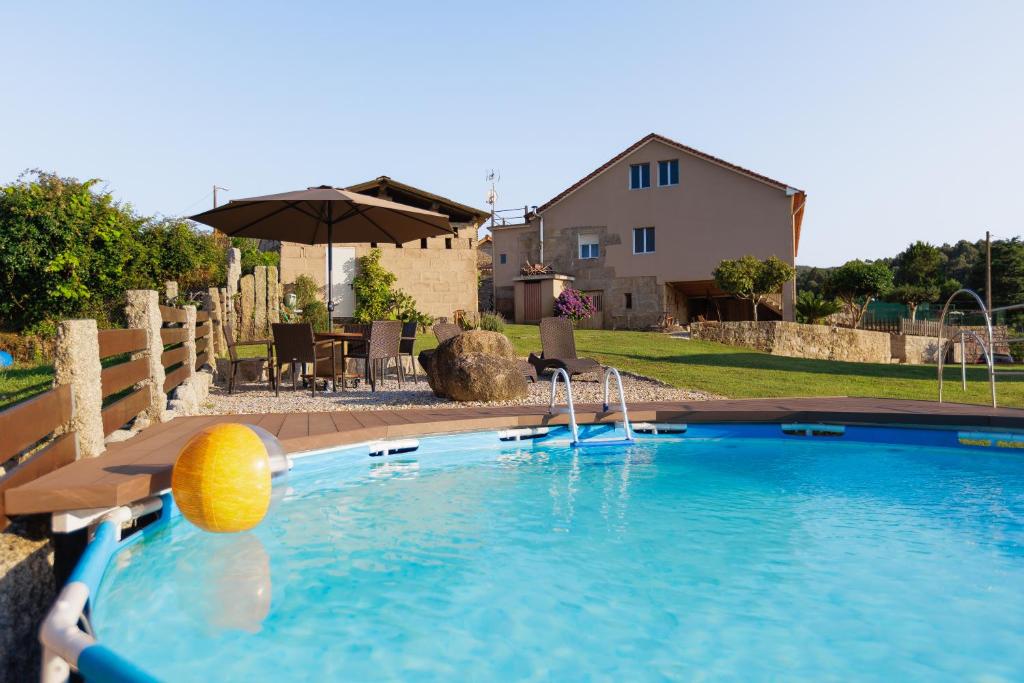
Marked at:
<point>294,344</point>
<point>235,360</point>
<point>405,347</point>
<point>383,345</point>
<point>445,331</point>
<point>558,349</point>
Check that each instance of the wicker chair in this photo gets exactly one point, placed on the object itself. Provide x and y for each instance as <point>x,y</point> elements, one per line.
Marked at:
<point>408,343</point>
<point>235,361</point>
<point>294,344</point>
<point>445,331</point>
<point>383,345</point>
<point>558,345</point>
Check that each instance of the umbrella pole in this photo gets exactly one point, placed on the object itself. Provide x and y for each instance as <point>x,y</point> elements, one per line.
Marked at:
<point>330,268</point>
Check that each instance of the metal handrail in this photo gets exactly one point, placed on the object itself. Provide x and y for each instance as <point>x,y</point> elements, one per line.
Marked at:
<point>988,351</point>
<point>622,399</point>
<point>552,410</point>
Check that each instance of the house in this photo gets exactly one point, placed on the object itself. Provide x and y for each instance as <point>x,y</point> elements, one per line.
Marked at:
<point>642,235</point>
<point>485,270</point>
<point>440,273</point>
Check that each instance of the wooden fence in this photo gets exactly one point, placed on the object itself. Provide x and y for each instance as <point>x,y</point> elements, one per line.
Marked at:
<point>25,427</point>
<point>37,436</point>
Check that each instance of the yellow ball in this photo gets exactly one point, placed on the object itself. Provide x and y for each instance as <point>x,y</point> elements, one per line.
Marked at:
<point>221,479</point>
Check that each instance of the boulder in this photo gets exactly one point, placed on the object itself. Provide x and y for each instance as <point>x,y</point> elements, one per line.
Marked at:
<point>476,366</point>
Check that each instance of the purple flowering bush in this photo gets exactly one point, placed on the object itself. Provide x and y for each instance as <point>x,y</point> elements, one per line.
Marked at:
<point>574,305</point>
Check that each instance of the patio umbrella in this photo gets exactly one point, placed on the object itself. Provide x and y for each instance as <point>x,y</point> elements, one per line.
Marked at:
<point>320,215</point>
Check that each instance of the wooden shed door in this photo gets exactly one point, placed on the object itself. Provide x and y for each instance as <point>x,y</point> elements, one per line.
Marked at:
<point>596,321</point>
<point>531,302</point>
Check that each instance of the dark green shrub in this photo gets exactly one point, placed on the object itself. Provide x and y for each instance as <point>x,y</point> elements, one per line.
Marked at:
<point>315,313</point>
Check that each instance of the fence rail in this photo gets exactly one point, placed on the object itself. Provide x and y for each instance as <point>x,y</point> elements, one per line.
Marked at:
<point>28,424</point>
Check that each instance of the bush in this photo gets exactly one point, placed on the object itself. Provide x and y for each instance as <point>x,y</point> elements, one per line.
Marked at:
<point>492,322</point>
<point>306,291</point>
<point>574,305</point>
<point>70,250</point>
<point>812,308</point>
<point>372,287</point>
<point>315,313</point>
<point>252,256</point>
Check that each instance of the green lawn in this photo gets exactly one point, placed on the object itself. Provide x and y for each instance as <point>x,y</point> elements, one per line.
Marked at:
<point>744,373</point>
<point>706,366</point>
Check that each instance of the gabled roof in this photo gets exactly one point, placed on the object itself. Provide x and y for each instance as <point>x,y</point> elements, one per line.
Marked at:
<point>654,137</point>
<point>416,196</point>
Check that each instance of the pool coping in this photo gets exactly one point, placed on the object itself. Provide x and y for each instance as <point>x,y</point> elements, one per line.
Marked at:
<point>139,468</point>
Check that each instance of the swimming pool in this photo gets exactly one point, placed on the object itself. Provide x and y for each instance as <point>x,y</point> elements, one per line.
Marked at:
<point>727,552</point>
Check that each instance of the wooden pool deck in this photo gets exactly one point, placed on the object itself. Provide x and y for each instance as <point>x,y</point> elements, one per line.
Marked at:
<point>141,467</point>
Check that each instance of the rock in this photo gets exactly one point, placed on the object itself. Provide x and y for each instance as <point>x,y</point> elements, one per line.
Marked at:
<point>119,435</point>
<point>26,593</point>
<point>476,366</point>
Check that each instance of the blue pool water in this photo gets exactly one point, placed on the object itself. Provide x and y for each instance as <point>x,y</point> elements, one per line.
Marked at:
<point>798,559</point>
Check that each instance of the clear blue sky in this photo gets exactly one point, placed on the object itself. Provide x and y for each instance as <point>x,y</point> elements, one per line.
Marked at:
<point>902,120</point>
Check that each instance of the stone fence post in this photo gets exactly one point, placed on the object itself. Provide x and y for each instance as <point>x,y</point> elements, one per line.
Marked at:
<point>143,312</point>
<point>190,340</point>
<point>77,362</point>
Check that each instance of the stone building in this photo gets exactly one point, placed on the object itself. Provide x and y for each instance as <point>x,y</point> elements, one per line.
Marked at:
<point>642,235</point>
<point>485,274</point>
<point>440,273</point>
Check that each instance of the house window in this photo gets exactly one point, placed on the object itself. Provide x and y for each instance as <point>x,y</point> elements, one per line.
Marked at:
<point>639,176</point>
<point>502,259</point>
<point>589,248</point>
<point>629,300</point>
<point>423,243</point>
<point>668,172</point>
<point>373,245</point>
<point>447,242</point>
<point>643,240</point>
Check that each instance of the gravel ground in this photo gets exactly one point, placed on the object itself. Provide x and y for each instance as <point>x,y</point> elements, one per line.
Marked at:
<point>254,398</point>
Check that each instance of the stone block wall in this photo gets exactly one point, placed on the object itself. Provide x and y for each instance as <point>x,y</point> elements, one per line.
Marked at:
<point>796,340</point>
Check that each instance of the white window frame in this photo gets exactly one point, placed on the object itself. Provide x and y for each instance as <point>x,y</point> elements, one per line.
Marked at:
<point>629,180</point>
<point>646,250</point>
<point>588,240</point>
<point>668,168</point>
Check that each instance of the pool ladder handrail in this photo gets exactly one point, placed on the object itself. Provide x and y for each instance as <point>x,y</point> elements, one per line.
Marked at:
<point>986,349</point>
<point>608,373</point>
<point>570,407</point>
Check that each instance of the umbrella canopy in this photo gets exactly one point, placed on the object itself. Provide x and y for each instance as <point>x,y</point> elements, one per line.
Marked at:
<point>325,214</point>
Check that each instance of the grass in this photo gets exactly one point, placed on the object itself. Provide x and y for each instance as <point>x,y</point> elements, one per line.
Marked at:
<point>22,381</point>
<point>705,366</point>
<point>744,373</point>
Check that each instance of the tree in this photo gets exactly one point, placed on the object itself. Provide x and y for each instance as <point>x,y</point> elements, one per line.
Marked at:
<point>857,283</point>
<point>1007,273</point>
<point>372,288</point>
<point>812,308</point>
<point>920,264</point>
<point>913,296</point>
<point>752,279</point>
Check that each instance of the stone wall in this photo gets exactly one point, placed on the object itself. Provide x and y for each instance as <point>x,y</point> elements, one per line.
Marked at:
<point>796,340</point>
<point>440,273</point>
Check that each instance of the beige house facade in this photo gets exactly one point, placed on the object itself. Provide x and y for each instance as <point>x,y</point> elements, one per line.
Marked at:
<point>440,273</point>
<point>643,233</point>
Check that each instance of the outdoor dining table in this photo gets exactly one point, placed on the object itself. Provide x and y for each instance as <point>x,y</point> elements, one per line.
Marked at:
<point>344,338</point>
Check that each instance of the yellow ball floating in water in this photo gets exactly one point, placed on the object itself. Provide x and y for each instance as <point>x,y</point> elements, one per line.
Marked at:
<point>221,479</point>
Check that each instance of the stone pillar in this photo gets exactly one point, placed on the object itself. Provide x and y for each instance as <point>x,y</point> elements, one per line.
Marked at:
<point>190,340</point>
<point>143,312</point>
<point>76,362</point>
<point>259,312</point>
<point>233,273</point>
<point>170,292</point>
<point>273,297</point>
<point>213,305</point>
<point>246,304</point>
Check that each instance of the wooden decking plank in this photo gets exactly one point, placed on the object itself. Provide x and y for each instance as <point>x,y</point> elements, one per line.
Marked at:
<point>295,425</point>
